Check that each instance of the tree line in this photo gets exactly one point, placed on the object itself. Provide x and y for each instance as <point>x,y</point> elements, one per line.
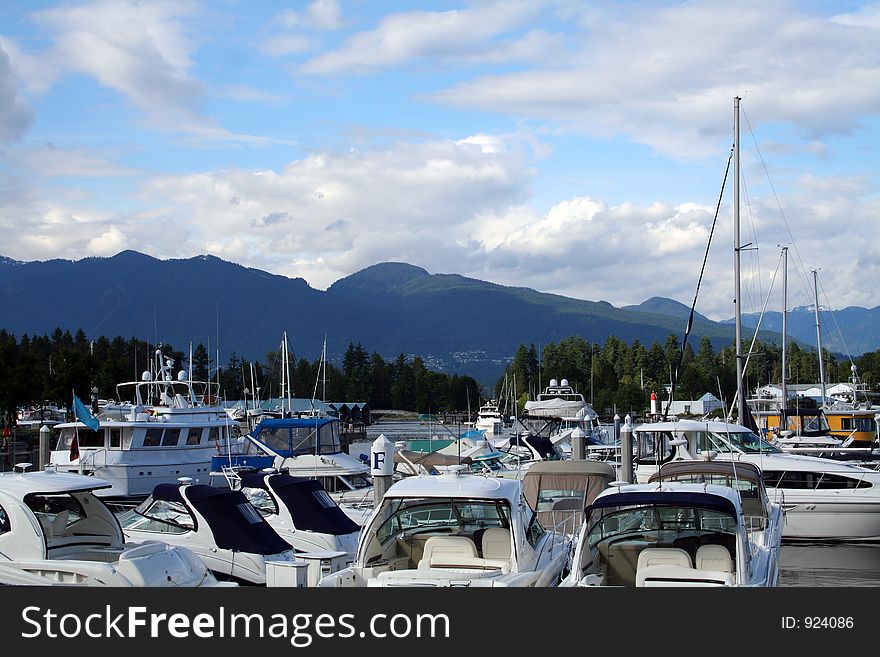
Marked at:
<point>49,369</point>
<point>614,376</point>
<point>619,378</point>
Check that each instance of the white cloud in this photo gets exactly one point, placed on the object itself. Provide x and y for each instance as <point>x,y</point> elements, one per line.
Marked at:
<point>457,35</point>
<point>665,76</point>
<point>15,114</point>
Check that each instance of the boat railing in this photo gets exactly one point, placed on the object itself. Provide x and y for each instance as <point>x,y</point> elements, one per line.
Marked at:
<point>562,534</point>
<point>92,455</point>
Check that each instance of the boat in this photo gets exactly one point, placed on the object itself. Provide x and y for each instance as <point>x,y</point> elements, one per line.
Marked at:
<point>558,400</point>
<point>302,447</point>
<point>666,534</point>
<point>219,525</point>
<point>159,429</point>
<point>301,512</point>
<point>489,419</point>
<point>55,530</point>
<point>824,499</point>
<point>561,491</point>
<point>764,519</point>
<point>455,530</point>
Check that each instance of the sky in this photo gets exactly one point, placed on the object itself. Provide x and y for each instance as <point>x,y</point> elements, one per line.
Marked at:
<point>577,148</point>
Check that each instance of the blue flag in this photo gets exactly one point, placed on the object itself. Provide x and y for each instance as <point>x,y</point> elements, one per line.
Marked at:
<point>84,416</point>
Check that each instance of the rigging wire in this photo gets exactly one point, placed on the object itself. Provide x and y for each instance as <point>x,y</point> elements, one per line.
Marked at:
<point>799,271</point>
<point>690,321</point>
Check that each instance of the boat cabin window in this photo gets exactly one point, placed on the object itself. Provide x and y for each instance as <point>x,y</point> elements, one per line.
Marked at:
<point>194,436</point>
<point>4,521</point>
<point>357,481</point>
<point>161,516</point>
<point>153,437</point>
<point>859,424</point>
<point>84,438</point>
<point>805,480</point>
<point>171,437</point>
<point>262,500</point>
<point>214,435</point>
<point>115,438</point>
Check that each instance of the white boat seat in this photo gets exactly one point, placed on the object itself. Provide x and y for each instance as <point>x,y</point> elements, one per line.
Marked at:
<point>714,557</point>
<point>671,556</point>
<point>447,548</point>
<point>669,574</point>
<point>496,543</point>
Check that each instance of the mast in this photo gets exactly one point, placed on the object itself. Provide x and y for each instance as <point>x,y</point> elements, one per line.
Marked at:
<point>784,327</point>
<point>740,393</point>
<point>819,335</point>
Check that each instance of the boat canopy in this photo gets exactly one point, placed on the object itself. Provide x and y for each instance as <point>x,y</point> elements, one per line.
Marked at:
<point>310,507</point>
<point>294,436</point>
<point>234,522</point>
<point>665,497</point>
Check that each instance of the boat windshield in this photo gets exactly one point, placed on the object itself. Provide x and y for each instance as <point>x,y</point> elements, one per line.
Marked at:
<point>612,522</point>
<point>357,481</point>
<point>163,516</point>
<point>734,441</point>
<point>444,515</point>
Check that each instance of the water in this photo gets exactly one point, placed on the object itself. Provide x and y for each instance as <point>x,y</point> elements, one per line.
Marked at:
<point>800,565</point>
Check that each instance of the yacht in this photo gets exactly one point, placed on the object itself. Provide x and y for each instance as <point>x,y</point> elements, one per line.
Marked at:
<point>221,526</point>
<point>457,530</point>
<point>489,419</point>
<point>159,429</point>
<point>54,530</point>
<point>558,400</point>
<point>824,499</point>
<point>667,534</point>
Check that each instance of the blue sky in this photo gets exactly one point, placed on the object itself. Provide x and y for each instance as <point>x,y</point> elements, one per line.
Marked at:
<point>571,147</point>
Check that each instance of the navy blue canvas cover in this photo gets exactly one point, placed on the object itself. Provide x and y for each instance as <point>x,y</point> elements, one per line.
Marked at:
<point>234,527</point>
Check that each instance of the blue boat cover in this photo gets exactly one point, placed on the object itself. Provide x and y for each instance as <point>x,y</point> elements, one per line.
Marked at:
<point>233,520</point>
<point>665,498</point>
<point>309,511</point>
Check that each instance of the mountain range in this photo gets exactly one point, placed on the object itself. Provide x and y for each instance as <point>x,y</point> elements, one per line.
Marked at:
<point>455,323</point>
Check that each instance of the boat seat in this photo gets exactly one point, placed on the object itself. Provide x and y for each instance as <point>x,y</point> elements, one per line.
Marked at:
<point>669,574</point>
<point>447,548</point>
<point>496,543</point>
<point>671,556</point>
<point>714,557</point>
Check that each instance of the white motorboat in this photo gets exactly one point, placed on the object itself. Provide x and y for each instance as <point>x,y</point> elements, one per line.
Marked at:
<point>55,531</point>
<point>304,447</point>
<point>455,530</point>
<point>667,534</point>
<point>163,429</point>
<point>764,518</point>
<point>824,499</point>
<point>219,525</point>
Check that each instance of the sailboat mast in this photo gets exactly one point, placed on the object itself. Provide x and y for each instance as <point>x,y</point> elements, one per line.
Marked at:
<point>819,335</point>
<point>785,327</point>
<point>740,393</point>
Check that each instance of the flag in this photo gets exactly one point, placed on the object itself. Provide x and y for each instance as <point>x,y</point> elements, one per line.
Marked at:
<point>84,415</point>
<point>74,448</point>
